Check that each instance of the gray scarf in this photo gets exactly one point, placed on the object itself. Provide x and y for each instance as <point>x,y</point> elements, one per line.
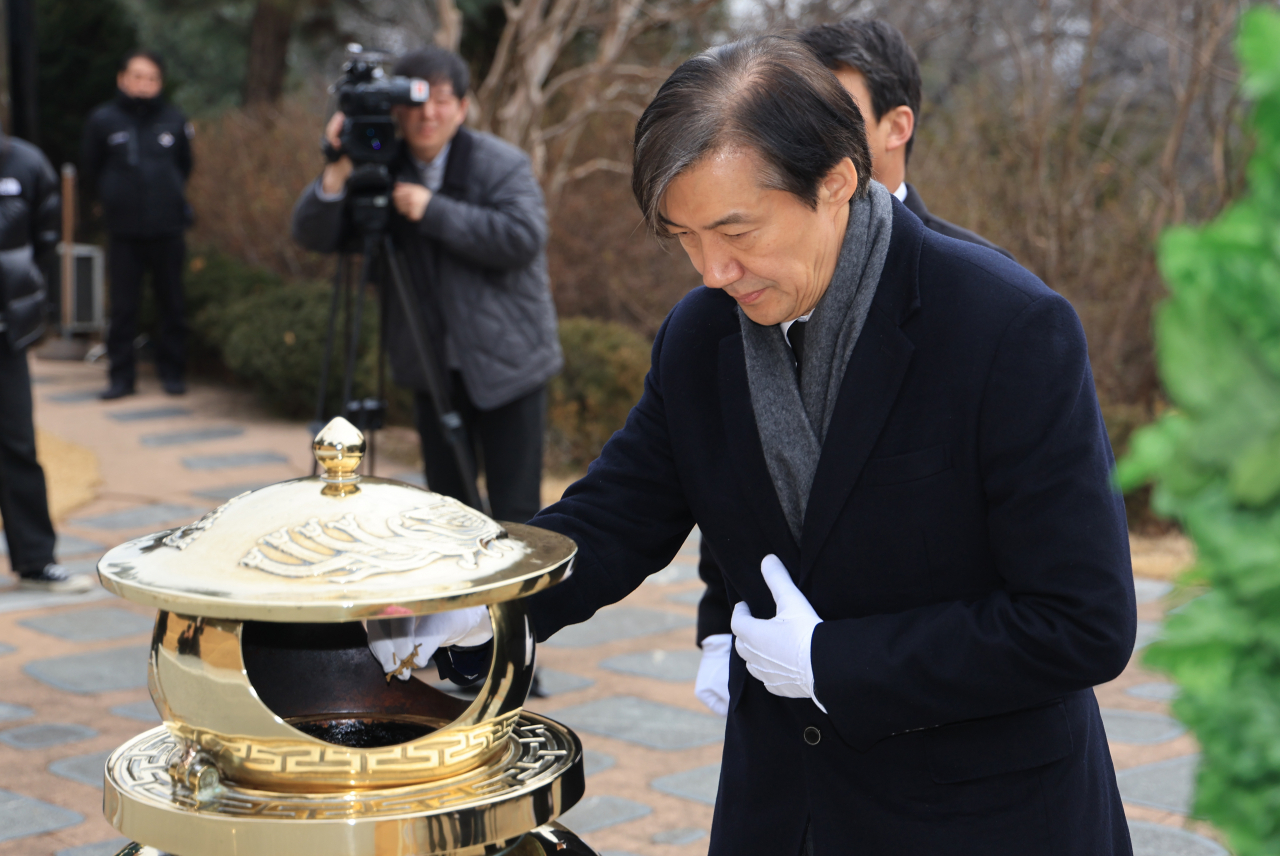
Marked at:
<point>793,417</point>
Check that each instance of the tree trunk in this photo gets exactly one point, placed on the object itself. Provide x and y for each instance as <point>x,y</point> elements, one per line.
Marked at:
<point>268,51</point>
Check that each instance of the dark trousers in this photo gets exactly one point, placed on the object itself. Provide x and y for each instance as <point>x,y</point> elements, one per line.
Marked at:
<point>508,440</point>
<point>24,505</point>
<point>130,259</point>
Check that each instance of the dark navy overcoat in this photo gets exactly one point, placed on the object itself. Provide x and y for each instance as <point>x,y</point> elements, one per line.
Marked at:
<point>963,544</point>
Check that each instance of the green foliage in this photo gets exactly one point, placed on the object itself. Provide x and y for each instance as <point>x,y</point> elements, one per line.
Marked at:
<point>79,44</point>
<point>1215,462</point>
<point>604,369</point>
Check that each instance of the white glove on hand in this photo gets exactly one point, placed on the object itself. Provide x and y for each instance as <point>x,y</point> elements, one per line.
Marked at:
<point>777,649</point>
<point>404,644</point>
<point>712,685</point>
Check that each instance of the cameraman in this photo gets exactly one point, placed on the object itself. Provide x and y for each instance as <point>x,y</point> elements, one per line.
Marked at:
<point>471,227</point>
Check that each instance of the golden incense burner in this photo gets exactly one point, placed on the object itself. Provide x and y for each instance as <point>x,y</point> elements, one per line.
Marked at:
<point>281,733</point>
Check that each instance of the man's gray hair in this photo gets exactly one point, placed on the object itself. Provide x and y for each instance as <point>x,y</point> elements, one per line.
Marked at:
<point>769,94</point>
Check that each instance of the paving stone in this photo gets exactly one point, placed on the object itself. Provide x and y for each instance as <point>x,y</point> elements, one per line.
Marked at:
<point>648,723</point>
<point>687,835</point>
<point>12,712</point>
<point>233,460</point>
<point>1168,785</point>
<point>1155,691</point>
<point>663,665</point>
<point>617,622</point>
<point>142,711</point>
<point>122,668</point>
<point>196,435</point>
<point>91,625</point>
<point>6,649</point>
<point>42,735</point>
<point>75,396</point>
<point>689,598</point>
<point>22,816</point>
<point>552,682</point>
<point>1148,632</point>
<point>222,494</point>
<point>1149,591</point>
<point>82,566</point>
<point>617,853</point>
<point>676,572</point>
<point>66,545</point>
<point>412,477</point>
<point>596,762</point>
<point>598,812</point>
<point>20,601</point>
<point>85,769</point>
<point>149,413</point>
<point>17,600</point>
<point>1152,839</point>
<point>109,847</point>
<point>699,784</point>
<point>43,380</point>
<point>141,516</point>
<point>1131,726</point>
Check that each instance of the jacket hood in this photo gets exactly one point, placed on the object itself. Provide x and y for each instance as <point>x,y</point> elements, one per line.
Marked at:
<point>139,106</point>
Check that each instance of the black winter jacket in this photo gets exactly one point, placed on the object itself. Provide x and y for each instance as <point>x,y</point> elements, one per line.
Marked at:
<point>136,155</point>
<point>29,213</point>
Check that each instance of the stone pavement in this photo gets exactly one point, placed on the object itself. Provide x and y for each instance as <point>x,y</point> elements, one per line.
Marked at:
<point>73,669</point>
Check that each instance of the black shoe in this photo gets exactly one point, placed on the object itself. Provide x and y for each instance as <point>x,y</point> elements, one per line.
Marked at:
<point>174,387</point>
<point>54,578</point>
<point>116,390</point>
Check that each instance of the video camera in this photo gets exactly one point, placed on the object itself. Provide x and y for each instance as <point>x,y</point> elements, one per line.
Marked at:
<point>365,96</point>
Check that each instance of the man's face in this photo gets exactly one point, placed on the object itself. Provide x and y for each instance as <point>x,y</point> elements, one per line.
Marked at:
<point>140,78</point>
<point>766,248</point>
<point>856,84</point>
<point>428,126</point>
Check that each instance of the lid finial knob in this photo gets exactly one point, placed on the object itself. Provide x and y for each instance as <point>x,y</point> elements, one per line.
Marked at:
<point>338,448</point>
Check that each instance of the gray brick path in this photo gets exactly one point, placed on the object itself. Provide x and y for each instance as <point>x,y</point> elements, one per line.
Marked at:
<point>94,671</point>
<point>647,723</point>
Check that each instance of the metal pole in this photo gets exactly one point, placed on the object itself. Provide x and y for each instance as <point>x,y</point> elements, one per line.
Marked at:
<point>68,248</point>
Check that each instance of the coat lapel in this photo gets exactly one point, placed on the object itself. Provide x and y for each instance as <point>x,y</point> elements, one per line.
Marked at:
<point>870,387</point>
<point>746,453</point>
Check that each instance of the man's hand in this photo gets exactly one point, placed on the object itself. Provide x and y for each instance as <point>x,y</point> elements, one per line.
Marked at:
<point>410,200</point>
<point>404,644</point>
<point>335,175</point>
<point>777,649</point>
<point>712,684</point>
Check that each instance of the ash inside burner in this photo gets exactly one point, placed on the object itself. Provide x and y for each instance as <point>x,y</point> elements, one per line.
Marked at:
<point>363,733</point>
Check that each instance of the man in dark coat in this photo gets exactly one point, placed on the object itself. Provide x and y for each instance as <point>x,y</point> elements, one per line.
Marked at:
<point>29,214</point>
<point>136,156</point>
<point>472,229</point>
<point>873,61</point>
<point>891,441</point>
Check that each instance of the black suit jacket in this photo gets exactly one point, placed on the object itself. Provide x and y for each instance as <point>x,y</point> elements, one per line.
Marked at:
<point>714,609</point>
<point>963,545</point>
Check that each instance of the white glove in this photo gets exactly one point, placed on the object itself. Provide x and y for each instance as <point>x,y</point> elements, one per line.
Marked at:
<point>777,649</point>
<point>712,685</point>
<point>404,644</point>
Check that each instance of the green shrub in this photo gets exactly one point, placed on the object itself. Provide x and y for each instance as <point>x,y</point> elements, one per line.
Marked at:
<point>1215,461</point>
<point>604,368</point>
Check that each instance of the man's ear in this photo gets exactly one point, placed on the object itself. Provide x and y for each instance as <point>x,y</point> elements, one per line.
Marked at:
<point>840,184</point>
<point>902,124</point>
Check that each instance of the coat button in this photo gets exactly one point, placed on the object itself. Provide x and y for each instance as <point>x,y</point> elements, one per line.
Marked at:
<point>812,736</point>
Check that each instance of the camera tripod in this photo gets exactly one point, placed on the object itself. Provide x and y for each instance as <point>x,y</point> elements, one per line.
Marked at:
<point>369,191</point>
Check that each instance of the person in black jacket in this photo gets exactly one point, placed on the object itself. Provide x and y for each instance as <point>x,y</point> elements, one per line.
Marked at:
<point>29,214</point>
<point>136,156</point>
<point>911,500</point>
<point>874,63</point>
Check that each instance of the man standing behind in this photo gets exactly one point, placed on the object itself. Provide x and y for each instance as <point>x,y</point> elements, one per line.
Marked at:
<point>874,63</point>
<point>28,234</point>
<point>472,230</point>
<point>137,156</point>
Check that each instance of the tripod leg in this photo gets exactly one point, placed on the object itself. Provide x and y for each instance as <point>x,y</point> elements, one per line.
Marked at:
<point>450,421</point>
<point>339,285</point>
